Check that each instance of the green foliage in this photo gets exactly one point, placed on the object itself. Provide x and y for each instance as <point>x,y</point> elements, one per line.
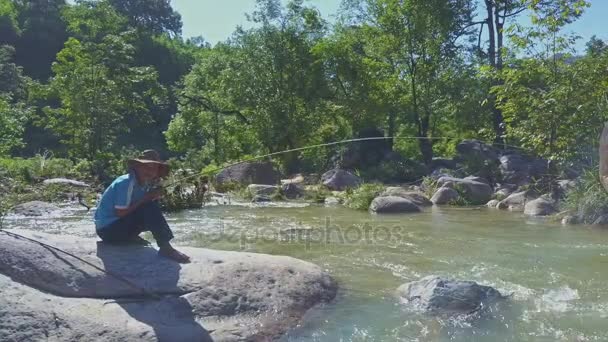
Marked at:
<point>429,186</point>
<point>395,171</point>
<point>317,194</point>
<point>187,190</point>
<point>98,89</point>
<point>361,197</point>
<point>588,199</point>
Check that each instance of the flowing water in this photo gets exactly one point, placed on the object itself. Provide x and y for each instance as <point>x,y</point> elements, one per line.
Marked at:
<point>557,275</point>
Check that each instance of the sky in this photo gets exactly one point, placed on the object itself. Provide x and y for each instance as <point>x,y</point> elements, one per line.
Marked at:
<point>216,20</point>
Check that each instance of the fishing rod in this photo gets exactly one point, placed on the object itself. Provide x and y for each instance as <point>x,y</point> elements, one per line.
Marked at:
<point>309,147</point>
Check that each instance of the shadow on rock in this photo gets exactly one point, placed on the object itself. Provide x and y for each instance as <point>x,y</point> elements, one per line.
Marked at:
<point>171,316</point>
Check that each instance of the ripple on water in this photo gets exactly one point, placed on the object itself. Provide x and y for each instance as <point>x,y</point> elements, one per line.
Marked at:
<point>557,300</point>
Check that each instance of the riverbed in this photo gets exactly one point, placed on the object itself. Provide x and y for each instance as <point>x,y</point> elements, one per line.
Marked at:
<point>556,275</point>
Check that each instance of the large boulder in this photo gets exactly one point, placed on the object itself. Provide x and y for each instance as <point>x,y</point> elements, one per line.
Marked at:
<point>365,153</point>
<point>447,297</point>
<point>393,205</point>
<point>248,173</point>
<point>519,169</point>
<point>64,181</point>
<point>220,296</point>
<point>475,149</point>
<point>540,207</point>
<point>416,197</point>
<point>515,202</point>
<point>473,191</point>
<point>35,208</point>
<point>445,195</point>
<point>261,189</point>
<point>340,180</point>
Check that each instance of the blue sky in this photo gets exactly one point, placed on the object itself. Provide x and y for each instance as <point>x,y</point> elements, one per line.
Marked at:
<point>216,20</point>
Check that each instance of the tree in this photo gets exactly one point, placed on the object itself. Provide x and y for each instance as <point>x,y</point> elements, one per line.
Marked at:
<point>14,113</point>
<point>155,16</point>
<point>101,94</point>
<point>9,27</point>
<point>418,42</point>
<point>43,33</point>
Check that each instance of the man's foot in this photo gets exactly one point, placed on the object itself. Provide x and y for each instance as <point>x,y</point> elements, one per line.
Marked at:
<point>174,254</point>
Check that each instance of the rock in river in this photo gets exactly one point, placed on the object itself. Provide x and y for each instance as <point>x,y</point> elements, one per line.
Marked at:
<point>262,189</point>
<point>540,207</point>
<point>415,196</point>
<point>340,180</point>
<point>393,205</point>
<point>442,296</point>
<point>473,191</point>
<point>444,195</point>
<point>220,296</point>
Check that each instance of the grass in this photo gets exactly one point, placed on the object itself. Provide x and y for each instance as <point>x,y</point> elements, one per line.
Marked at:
<point>361,197</point>
<point>588,200</point>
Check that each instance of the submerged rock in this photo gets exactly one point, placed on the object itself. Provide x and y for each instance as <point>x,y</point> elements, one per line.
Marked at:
<point>393,205</point>
<point>540,207</point>
<point>220,296</point>
<point>65,181</point>
<point>340,180</point>
<point>416,197</point>
<point>445,195</point>
<point>35,208</point>
<point>441,296</point>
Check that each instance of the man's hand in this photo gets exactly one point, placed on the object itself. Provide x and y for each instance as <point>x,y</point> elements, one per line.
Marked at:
<point>153,195</point>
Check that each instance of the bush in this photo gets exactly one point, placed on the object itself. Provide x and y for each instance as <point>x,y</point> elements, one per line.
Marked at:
<point>317,194</point>
<point>588,200</point>
<point>395,171</point>
<point>361,197</point>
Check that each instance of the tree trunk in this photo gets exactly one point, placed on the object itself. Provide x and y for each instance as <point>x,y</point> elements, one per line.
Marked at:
<point>495,59</point>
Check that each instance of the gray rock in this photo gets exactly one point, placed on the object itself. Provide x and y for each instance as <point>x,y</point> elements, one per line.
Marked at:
<point>515,202</point>
<point>566,185</point>
<point>248,173</point>
<point>340,180</point>
<point>445,196</point>
<point>64,181</point>
<point>393,205</point>
<point>540,207</point>
<point>475,149</point>
<point>416,197</point>
<point>261,189</point>
<point>35,208</point>
<point>504,190</point>
<point>492,204</point>
<point>220,296</point>
<point>472,191</point>
<point>292,190</point>
<point>441,296</point>
<point>518,169</point>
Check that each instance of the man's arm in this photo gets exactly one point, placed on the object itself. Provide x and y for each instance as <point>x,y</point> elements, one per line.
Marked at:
<point>148,197</point>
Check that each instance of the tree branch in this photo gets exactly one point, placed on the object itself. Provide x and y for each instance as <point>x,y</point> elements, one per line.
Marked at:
<point>209,106</point>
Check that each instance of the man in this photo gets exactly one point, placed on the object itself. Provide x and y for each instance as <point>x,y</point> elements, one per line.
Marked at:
<point>129,206</point>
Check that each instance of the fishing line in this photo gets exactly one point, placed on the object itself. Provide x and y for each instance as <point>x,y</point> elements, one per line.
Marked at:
<point>346,141</point>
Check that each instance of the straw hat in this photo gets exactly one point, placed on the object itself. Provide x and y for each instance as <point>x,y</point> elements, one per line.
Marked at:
<point>150,157</point>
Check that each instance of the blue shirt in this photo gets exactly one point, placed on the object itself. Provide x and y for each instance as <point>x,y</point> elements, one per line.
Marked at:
<point>122,193</point>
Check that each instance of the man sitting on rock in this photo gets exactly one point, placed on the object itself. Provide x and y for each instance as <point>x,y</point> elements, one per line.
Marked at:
<point>129,206</point>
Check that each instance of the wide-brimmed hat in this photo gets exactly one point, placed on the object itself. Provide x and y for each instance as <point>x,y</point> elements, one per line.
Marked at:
<point>150,157</point>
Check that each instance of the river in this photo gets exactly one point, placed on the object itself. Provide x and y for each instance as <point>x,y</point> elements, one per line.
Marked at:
<point>556,275</point>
